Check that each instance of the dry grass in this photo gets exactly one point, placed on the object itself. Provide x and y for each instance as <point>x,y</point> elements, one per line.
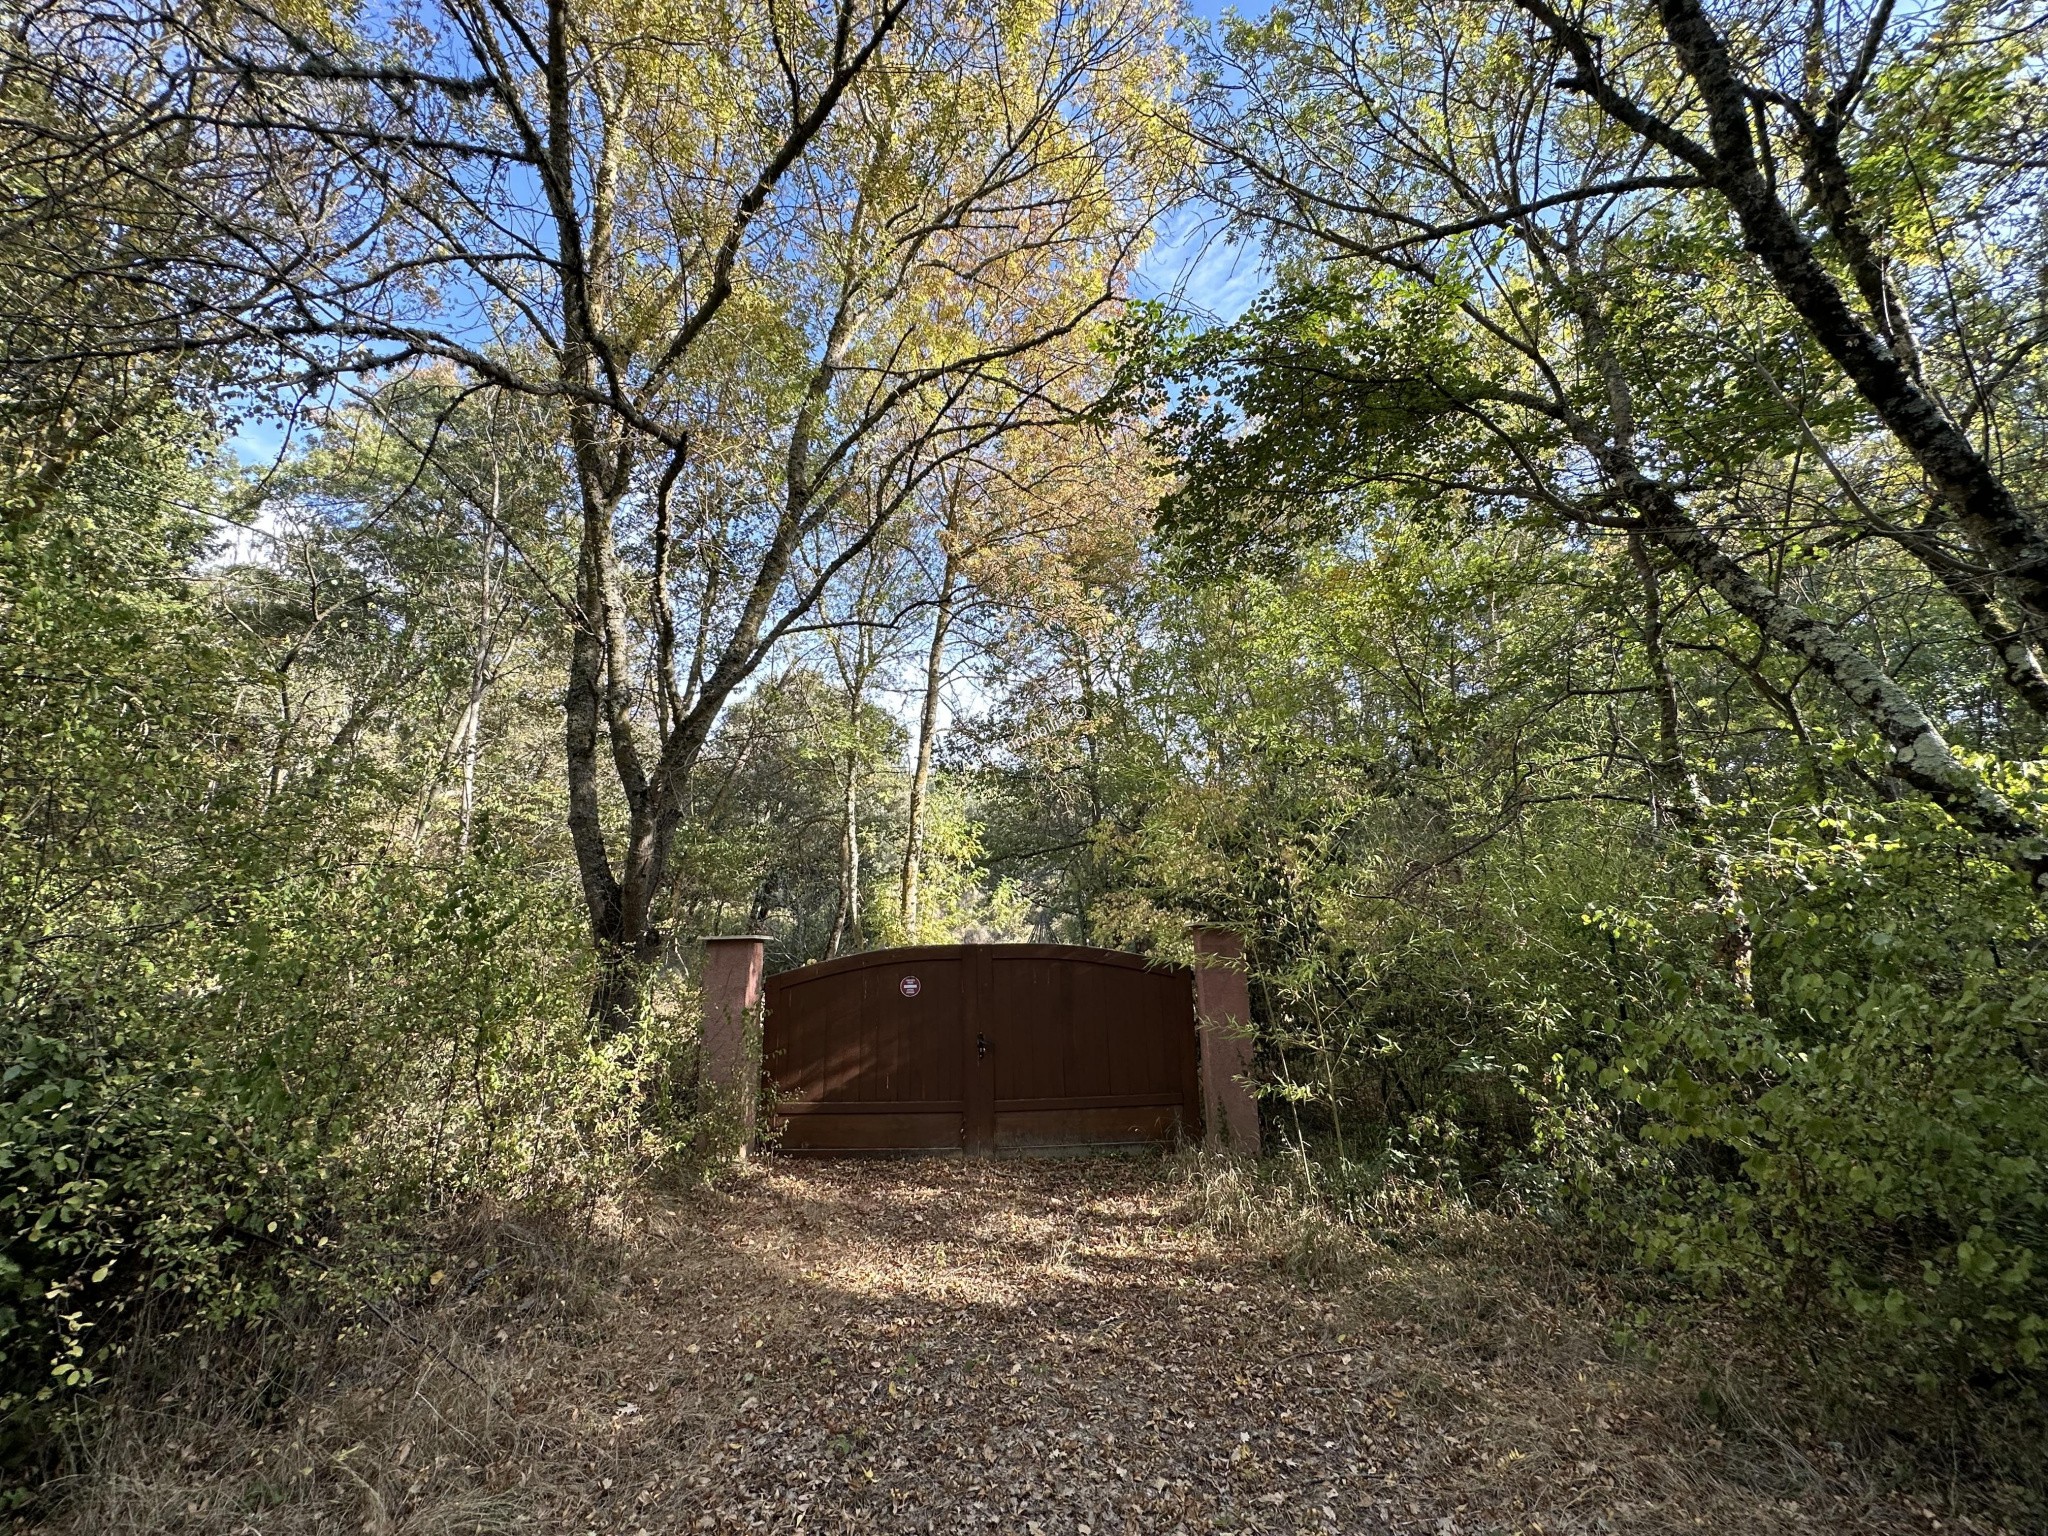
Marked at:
<point>1545,1357</point>
<point>1036,1348</point>
<point>430,1418</point>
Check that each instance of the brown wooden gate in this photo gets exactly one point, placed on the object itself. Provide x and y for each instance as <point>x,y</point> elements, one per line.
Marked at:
<point>982,1048</point>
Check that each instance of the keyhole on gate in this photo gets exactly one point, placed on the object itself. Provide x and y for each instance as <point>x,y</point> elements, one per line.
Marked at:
<point>981,1046</point>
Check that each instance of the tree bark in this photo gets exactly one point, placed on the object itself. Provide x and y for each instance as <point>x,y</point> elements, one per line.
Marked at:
<point>1962,478</point>
<point>2000,629</point>
<point>846,920</point>
<point>920,777</point>
<point>1684,795</point>
<point>1960,475</point>
<point>480,670</point>
<point>1921,755</point>
<point>1973,588</point>
<point>1828,182</point>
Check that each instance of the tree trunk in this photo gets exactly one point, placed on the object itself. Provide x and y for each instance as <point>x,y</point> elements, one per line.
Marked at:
<point>1961,476</point>
<point>1685,797</point>
<point>1973,588</point>
<point>479,682</point>
<point>920,778</point>
<point>614,1000</point>
<point>1833,191</point>
<point>2000,629</point>
<point>1920,753</point>
<point>846,920</point>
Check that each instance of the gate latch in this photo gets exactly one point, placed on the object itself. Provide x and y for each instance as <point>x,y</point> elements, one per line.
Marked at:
<point>981,1047</point>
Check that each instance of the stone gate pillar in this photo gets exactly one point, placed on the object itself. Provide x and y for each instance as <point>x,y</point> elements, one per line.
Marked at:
<point>729,1056</point>
<point>1223,1009</point>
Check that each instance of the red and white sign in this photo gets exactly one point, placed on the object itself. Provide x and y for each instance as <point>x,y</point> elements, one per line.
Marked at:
<point>910,986</point>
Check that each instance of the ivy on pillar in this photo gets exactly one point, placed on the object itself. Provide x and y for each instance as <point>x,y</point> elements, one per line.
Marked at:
<point>1223,1009</point>
<point>730,1053</point>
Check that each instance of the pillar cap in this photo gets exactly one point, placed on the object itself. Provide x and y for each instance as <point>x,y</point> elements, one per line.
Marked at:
<point>736,938</point>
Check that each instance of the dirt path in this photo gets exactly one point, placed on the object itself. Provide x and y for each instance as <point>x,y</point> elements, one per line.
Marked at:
<point>1034,1349</point>
<point>1020,1347</point>
<point>1059,1348</point>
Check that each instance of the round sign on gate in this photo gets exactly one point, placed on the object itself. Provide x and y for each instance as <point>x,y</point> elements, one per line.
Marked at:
<point>910,986</point>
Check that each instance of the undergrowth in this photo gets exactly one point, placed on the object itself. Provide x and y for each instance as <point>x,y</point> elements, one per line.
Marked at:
<point>320,1420</point>
<point>1784,1396</point>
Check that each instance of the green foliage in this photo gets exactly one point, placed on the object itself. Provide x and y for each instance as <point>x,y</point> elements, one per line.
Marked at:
<point>761,852</point>
<point>281,1102</point>
<point>1370,734</point>
<point>260,1029</point>
<point>1323,390</point>
<point>957,902</point>
<point>1483,959</point>
<point>116,1160</point>
<point>1555,755</point>
<point>1873,1137</point>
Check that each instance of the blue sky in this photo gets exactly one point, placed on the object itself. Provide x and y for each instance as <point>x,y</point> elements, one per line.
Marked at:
<point>1192,262</point>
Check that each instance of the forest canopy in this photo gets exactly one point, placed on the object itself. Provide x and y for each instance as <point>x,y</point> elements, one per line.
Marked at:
<point>497,491</point>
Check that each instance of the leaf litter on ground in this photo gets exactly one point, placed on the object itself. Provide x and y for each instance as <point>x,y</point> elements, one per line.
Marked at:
<point>1045,1348</point>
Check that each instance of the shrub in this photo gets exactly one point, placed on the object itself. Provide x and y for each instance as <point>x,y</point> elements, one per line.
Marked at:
<point>1873,1137</point>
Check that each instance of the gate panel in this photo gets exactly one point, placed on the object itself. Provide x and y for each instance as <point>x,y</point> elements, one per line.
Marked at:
<point>863,1060</point>
<point>998,1047</point>
<point>1090,1049</point>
